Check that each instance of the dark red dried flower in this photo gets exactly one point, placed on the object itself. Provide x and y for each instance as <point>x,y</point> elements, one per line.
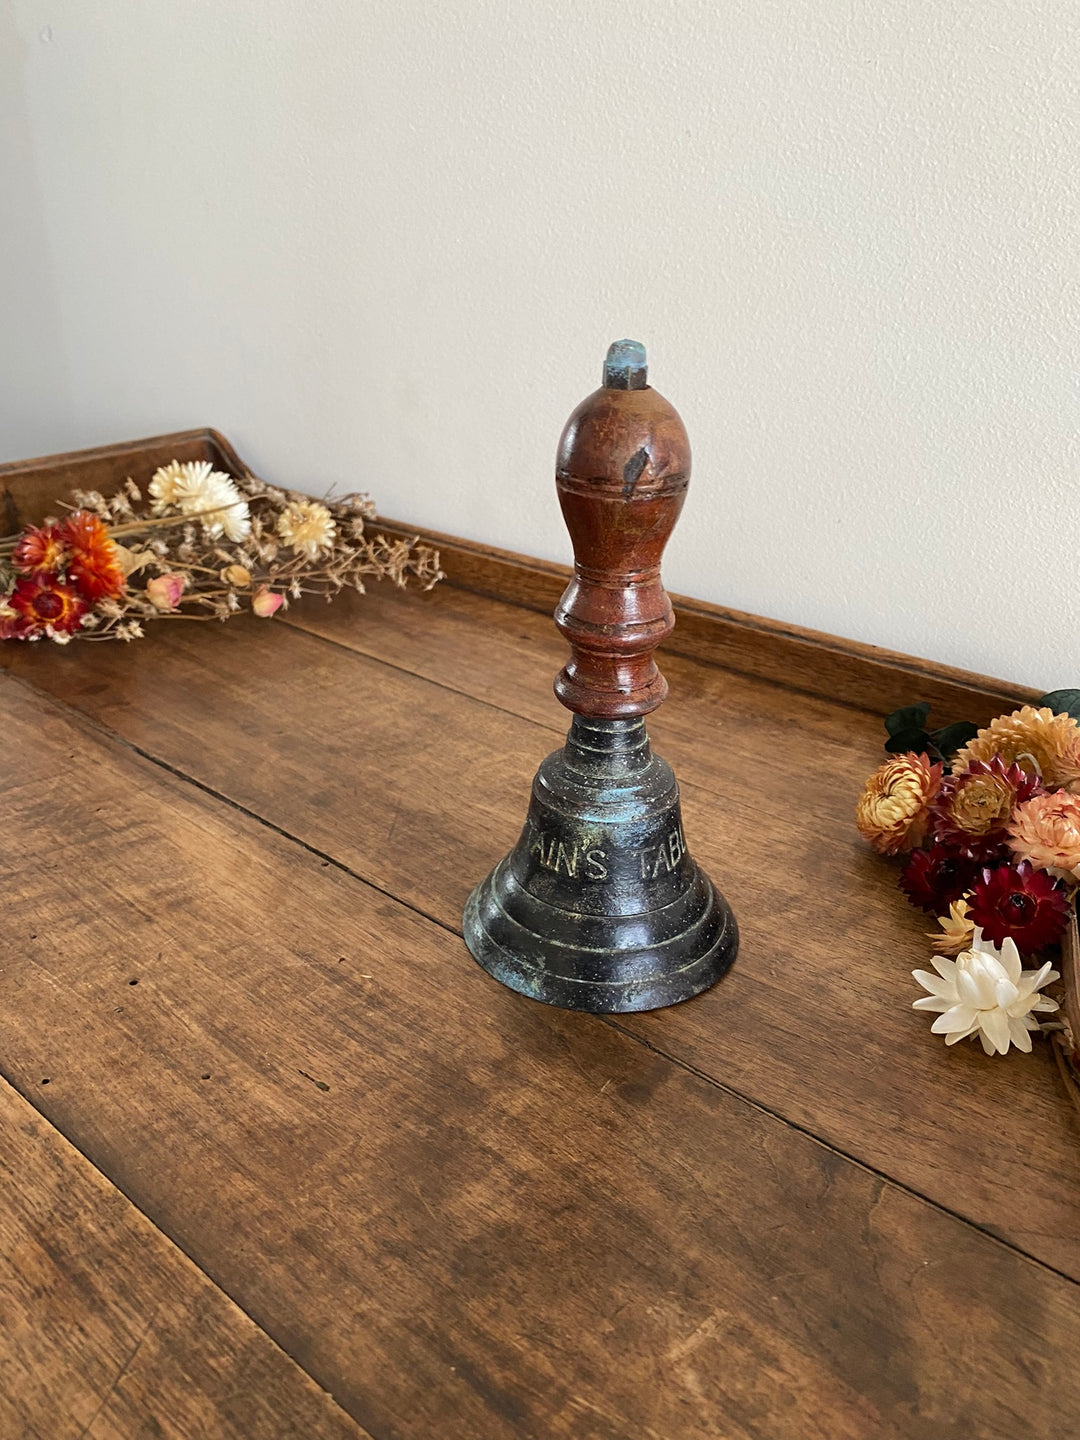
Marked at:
<point>934,878</point>
<point>972,811</point>
<point>44,600</point>
<point>13,626</point>
<point>1020,901</point>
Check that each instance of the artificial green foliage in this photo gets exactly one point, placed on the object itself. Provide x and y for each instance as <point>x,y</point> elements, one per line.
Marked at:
<point>908,732</point>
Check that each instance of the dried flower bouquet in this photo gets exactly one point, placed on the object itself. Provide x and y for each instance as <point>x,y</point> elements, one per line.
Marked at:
<point>200,545</point>
<point>989,823</point>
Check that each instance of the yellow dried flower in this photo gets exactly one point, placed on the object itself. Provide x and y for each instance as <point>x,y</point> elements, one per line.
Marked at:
<point>957,932</point>
<point>308,527</point>
<point>1041,743</point>
<point>236,575</point>
<point>1046,831</point>
<point>893,812</point>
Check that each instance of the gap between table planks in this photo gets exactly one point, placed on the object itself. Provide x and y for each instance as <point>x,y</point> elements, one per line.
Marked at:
<point>418,787</point>
<point>460,1213</point>
<point>109,1332</point>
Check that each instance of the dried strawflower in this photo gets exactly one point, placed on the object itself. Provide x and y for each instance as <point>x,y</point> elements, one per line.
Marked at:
<point>164,484</point>
<point>40,549</point>
<point>985,992</point>
<point>308,527</point>
<point>236,575</point>
<point>957,930</point>
<point>47,605</point>
<point>972,810</point>
<point>1021,902</point>
<point>934,878</point>
<point>893,812</point>
<point>94,563</point>
<point>1042,743</point>
<point>1046,831</point>
<point>13,626</point>
<point>212,497</point>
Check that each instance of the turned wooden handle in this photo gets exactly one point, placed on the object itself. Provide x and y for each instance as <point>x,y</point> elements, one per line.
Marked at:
<point>622,470</point>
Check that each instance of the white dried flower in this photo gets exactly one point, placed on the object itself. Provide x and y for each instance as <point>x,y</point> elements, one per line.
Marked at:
<point>984,992</point>
<point>308,527</point>
<point>213,499</point>
<point>163,485</point>
<point>211,496</point>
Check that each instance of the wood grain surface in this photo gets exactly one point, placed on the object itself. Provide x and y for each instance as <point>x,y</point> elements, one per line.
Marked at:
<point>108,1332</point>
<point>464,1214</point>
<point>421,785</point>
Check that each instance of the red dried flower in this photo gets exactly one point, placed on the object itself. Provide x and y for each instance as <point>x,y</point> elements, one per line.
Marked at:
<point>95,562</point>
<point>39,549</point>
<point>934,878</point>
<point>972,811</point>
<point>44,600</point>
<point>1020,901</point>
<point>13,626</point>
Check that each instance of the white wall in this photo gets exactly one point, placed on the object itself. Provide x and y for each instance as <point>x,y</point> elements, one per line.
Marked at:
<point>384,244</point>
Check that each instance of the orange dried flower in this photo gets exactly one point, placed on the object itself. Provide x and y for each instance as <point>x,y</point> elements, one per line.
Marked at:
<point>45,602</point>
<point>957,932</point>
<point>40,548</point>
<point>1046,831</point>
<point>893,812</point>
<point>1042,743</point>
<point>95,563</point>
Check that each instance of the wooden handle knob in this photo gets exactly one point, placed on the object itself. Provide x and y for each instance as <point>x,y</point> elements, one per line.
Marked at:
<point>622,470</point>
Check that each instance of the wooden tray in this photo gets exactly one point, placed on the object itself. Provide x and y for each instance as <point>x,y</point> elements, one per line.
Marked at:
<point>30,489</point>
<point>1067,1041</point>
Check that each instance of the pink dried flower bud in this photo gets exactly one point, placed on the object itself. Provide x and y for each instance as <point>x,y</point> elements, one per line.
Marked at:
<point>164,591</point>
<point>265,603</point>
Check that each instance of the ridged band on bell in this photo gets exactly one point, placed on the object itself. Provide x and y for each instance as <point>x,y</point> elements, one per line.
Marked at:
<point>599,906</point>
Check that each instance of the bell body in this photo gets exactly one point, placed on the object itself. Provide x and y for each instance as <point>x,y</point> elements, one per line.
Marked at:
<point>599,906</point>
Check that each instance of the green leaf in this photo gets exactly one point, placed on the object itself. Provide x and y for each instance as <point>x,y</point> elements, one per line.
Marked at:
<point>1067,701</point>
<point>912,739</point>
<point>951,738</point>
<point>909,717</point>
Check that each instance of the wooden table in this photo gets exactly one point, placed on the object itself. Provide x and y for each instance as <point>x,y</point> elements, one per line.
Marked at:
<point>279,1159</point>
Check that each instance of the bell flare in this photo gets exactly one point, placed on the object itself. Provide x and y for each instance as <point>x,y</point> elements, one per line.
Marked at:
<point>599,906</point>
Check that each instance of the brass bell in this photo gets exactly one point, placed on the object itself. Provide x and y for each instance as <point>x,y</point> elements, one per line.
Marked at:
<point>600,906</point>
